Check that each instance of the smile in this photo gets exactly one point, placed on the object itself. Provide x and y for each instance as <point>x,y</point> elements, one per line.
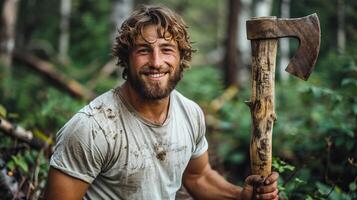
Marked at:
<point>156,75</point>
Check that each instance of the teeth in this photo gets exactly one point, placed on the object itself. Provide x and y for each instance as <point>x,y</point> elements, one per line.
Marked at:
<point>156,75</point>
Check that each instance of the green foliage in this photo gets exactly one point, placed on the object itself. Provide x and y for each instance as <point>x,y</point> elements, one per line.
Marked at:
<point>18,161</point>
<point>314,137</point>
<point>281,166</point>
<point>314,140</point>
<point>208,80</point>
<point>40,109</point>
<point>91,20</point>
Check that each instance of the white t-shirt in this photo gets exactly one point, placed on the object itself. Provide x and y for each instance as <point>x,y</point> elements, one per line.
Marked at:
<point>124,156</point>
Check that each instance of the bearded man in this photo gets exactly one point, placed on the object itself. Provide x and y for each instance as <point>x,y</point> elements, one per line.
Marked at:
<point>144,139</point>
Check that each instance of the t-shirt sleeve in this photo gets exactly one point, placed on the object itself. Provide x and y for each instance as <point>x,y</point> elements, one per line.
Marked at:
<point>76,152</point>
<point>201,141</point>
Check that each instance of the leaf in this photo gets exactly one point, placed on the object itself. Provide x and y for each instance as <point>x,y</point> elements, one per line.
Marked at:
<point>299,181</point>
<point>322,188</point>
<point>352,186</point>
<point>352,67</point>
<point>11,165</point>
<point>41,135</point>
<point>21,163</point>
<point>349,81</point>
<point>281,166</point>
<point>3,111</point>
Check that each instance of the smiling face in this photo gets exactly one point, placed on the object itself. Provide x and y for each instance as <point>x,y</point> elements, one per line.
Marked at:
<point>154,65</point>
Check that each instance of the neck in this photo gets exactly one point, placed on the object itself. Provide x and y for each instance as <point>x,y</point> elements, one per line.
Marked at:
<point>154,111</point>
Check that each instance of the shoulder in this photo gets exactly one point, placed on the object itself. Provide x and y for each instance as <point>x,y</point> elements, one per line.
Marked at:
<point>80,130</point>
<point>92,122</point>
<point>189,109</point>
<point>105,110</point>
<point>191,112</point>
<point>186,103</point>
<point>103,103</point>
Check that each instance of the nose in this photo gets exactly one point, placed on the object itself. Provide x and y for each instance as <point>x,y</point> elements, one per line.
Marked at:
<point>156,58</point>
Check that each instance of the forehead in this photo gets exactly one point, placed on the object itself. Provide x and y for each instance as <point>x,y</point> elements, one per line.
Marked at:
<point>152,34</point>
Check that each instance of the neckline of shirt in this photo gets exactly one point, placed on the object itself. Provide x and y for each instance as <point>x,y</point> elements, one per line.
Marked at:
<point>117,92</point>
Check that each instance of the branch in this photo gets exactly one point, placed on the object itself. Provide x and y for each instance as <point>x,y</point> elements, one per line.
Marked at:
<point>57,78</point>
<point>109,68</point>
<point>22,134</point>
<point>227,96</point>
<point>217,104</point>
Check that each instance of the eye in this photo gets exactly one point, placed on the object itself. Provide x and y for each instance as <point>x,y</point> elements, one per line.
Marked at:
<point>143,50</point>
<point>168,50</point>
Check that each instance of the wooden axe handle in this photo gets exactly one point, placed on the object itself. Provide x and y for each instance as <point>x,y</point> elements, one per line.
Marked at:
<point>261,105</point>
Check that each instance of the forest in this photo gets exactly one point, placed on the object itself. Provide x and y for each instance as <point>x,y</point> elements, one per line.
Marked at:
<point>55,57</point>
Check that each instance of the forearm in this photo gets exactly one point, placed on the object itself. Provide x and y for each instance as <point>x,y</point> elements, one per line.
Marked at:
<point>211,185</point>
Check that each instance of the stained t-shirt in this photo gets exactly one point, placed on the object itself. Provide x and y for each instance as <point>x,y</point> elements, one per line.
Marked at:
<point>122,155</point>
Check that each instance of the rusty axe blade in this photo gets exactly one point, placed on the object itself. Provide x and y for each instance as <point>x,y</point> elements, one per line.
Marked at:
<point>305,29</point>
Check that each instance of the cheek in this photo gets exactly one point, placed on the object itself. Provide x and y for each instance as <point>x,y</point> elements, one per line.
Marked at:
<point>137,62</point>
<point>173,60</point>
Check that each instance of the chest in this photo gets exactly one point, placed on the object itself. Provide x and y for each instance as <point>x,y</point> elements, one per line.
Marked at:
<point>151,157</point>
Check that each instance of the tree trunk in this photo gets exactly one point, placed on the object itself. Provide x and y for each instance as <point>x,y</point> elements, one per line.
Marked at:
<point>263,8</point>
<point>65,11</point>
<point>231,55</point>
<point>284,43</point>
<point>243,44</point>
<point>341,33</point>
<point>7,32</point>
<point>121,10</point>
<point>261,104</point>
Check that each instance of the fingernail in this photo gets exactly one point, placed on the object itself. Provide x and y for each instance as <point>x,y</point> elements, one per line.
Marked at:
<point>267,182</point>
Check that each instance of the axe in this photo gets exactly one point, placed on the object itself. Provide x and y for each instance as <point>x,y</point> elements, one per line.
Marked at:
<point>264,33</point>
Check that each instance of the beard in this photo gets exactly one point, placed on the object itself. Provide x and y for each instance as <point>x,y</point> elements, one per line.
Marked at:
<point>156,90</point>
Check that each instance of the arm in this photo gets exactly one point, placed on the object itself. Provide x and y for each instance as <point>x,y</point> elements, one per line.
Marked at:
<point>80,157</point>
<point>63,186</point>
<point>205,183</point>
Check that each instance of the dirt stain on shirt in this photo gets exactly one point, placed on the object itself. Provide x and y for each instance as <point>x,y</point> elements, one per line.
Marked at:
<point>160,153</point>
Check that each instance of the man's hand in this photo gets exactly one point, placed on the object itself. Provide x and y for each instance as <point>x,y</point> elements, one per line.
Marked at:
<point>256,187</point>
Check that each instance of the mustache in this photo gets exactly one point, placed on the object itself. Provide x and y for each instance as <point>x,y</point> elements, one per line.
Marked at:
<point>152,69</point>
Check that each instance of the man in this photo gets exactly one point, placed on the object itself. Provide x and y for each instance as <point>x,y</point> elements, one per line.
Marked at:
<point>143,139</point>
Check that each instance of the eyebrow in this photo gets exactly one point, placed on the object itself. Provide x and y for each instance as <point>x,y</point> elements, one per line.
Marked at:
<point>141,44</point>
<point>168,45</point>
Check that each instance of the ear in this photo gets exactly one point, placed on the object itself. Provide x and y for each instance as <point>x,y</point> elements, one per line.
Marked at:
<point>124,74</point>
<point>182,66</point>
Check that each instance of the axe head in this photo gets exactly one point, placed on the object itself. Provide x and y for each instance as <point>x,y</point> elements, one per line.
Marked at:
<point>305,29</point>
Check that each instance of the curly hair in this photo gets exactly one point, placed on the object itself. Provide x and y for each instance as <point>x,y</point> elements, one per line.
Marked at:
<point>169,24</point>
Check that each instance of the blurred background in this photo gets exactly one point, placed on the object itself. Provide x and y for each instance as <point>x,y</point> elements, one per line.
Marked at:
<point>55,56</point>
